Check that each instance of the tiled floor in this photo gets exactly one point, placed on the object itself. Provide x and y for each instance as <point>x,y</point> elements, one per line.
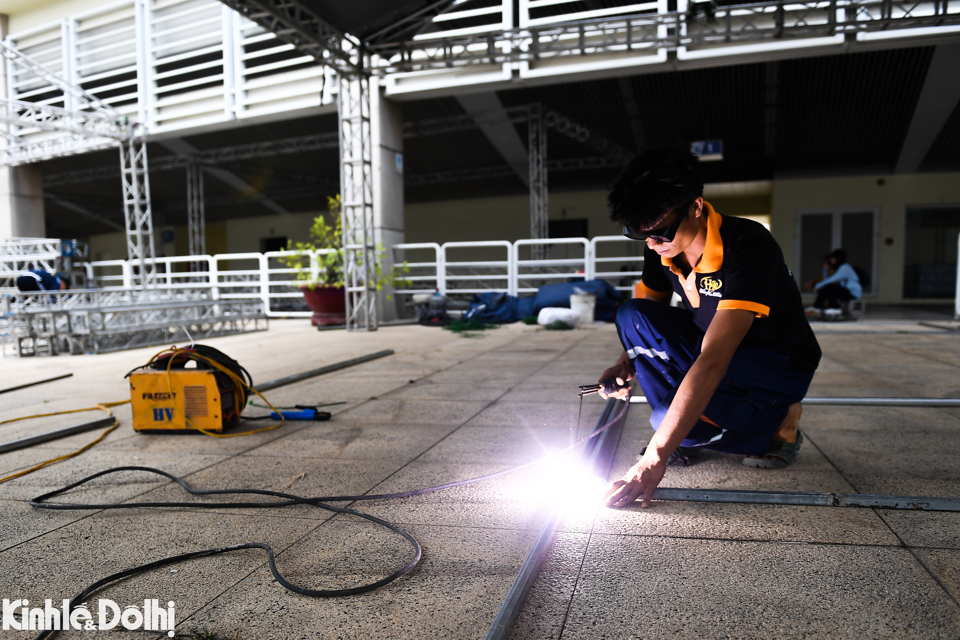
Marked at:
<point>447,408</point>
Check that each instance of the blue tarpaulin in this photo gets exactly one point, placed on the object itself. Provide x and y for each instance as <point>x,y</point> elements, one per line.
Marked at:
<point>501,308</point>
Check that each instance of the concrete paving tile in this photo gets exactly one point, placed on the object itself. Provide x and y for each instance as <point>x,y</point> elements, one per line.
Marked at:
<point>944,564</point>
<point>483,376</point>
<point>544,611</point>
<point>501,445</point>
<point>115,487</point>
<point>436,607</point>
<point>309,477</point>
<point>924,528</point>
<point>713,470</point>
<point>745,522</point>
<point>356,441</point>
<point>393,410</point>
<point>23,522</point>
<point>502,502</point>
<point>443,388</point>
<point>890,450</point>
<point>536,414</point>
<point>338,389</point>
<point>109,542</point>
<point>668,588</point>
<point>348,551</point>
<point>199,443</point>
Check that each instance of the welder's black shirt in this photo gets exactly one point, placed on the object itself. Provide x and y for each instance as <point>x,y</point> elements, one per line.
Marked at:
<point>742,268</point>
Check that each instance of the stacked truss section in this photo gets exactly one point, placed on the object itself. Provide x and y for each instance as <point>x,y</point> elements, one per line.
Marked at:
<point>96,321</point>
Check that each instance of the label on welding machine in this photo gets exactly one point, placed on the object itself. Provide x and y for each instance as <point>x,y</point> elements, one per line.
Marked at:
<point>175,401</point>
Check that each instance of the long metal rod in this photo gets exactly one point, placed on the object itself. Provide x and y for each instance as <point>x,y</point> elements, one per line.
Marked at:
<point>23,443</point>
<point>916,503</point>
<point>598,453</point>
<point>31,384</point>
<point>865,402</point>
<point>297,377</point>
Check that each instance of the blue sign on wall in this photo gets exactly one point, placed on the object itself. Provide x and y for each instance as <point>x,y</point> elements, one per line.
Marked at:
<point>708,149</point>
<point>166,236</point>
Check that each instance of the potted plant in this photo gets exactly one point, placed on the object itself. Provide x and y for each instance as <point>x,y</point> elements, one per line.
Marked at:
<point>323,288</point>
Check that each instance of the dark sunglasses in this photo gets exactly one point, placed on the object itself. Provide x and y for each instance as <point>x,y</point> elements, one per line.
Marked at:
<point>659,235</point>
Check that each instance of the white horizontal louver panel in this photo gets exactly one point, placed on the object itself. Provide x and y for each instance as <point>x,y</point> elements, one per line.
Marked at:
<point>45,47</point>
<point>272,75</point>
<point>105,54</point>
<point>186,49</point>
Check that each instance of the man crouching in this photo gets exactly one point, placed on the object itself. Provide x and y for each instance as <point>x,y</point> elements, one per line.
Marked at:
<point>728,372</point>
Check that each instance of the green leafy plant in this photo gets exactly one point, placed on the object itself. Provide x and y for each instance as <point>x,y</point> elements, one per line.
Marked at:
<point>328,234</point>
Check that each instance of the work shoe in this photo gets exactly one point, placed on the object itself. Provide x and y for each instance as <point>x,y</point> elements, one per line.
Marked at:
<point>832,313</point>
<point>813,313</point>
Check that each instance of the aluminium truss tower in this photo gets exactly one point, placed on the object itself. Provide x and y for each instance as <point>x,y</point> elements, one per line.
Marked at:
<point>137,214</point>
<point>356,186</point>
<point>537,150</point>
<point>196,215</point>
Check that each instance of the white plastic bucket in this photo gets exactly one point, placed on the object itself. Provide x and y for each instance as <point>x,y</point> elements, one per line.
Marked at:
<point>585,305</point>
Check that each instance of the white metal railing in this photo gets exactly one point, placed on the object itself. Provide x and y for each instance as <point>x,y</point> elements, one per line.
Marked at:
<point>515,274</point>
<point>455,268</point>
<point>530,274</point>
<point>168,64</point>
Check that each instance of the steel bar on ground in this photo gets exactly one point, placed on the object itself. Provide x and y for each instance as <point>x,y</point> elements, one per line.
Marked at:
<point>865,402</point>
<point>279,382</point>
<point>23,443</point>
<point>32,384</point>
<point>597,453</point>
<point>799,498</point>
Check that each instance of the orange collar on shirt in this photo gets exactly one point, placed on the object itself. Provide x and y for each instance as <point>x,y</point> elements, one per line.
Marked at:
<point>713,248</point>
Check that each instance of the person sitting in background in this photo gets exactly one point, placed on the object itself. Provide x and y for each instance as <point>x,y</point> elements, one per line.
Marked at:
<point>40,280</point>
<point>826,273</point>
<point>841,285</point>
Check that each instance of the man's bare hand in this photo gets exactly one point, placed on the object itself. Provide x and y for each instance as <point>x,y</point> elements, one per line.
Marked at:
<point>623,372</point>
<point>641,480</point>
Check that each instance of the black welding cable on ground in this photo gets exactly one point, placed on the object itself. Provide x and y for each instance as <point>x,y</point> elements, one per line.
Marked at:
<point>40,502</point>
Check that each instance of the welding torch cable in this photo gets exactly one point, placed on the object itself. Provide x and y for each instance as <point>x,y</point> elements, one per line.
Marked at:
<point>271,561</point>
<point>290,500</point>
<point>40,502</point>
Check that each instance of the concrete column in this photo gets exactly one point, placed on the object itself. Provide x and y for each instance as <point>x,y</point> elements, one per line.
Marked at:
<point>21,188</point>
<point>388,227</point>
<point>21,202</point>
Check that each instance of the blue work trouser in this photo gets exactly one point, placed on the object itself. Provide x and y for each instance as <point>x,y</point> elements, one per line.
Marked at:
<point>751,400</point>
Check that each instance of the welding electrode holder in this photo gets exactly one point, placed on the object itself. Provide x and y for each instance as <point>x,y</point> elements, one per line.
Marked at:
<point>607,385</point>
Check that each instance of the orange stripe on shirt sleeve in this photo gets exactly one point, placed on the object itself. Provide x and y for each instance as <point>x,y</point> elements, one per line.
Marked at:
<point>761,310</point>
<point>653,293</point>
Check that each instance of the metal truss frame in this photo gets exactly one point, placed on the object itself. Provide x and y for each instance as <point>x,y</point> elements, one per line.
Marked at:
<point>356,188</point>
<point>138,217</point>
<point>89,124</point>
<point>103,321</point>
<point>761,22</point>
<point>212,157</point>
<point>196,214</point>
<point>295,24</point>
<point>537,150</point>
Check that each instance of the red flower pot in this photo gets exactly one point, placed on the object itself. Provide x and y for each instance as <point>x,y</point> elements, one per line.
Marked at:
<point>327,303</point>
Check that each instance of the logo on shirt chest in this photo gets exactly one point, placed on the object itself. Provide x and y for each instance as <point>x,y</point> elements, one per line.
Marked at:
<point>711,287</point>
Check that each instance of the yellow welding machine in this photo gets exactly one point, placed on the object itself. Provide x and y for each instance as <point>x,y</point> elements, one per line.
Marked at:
<point>163,402</point>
